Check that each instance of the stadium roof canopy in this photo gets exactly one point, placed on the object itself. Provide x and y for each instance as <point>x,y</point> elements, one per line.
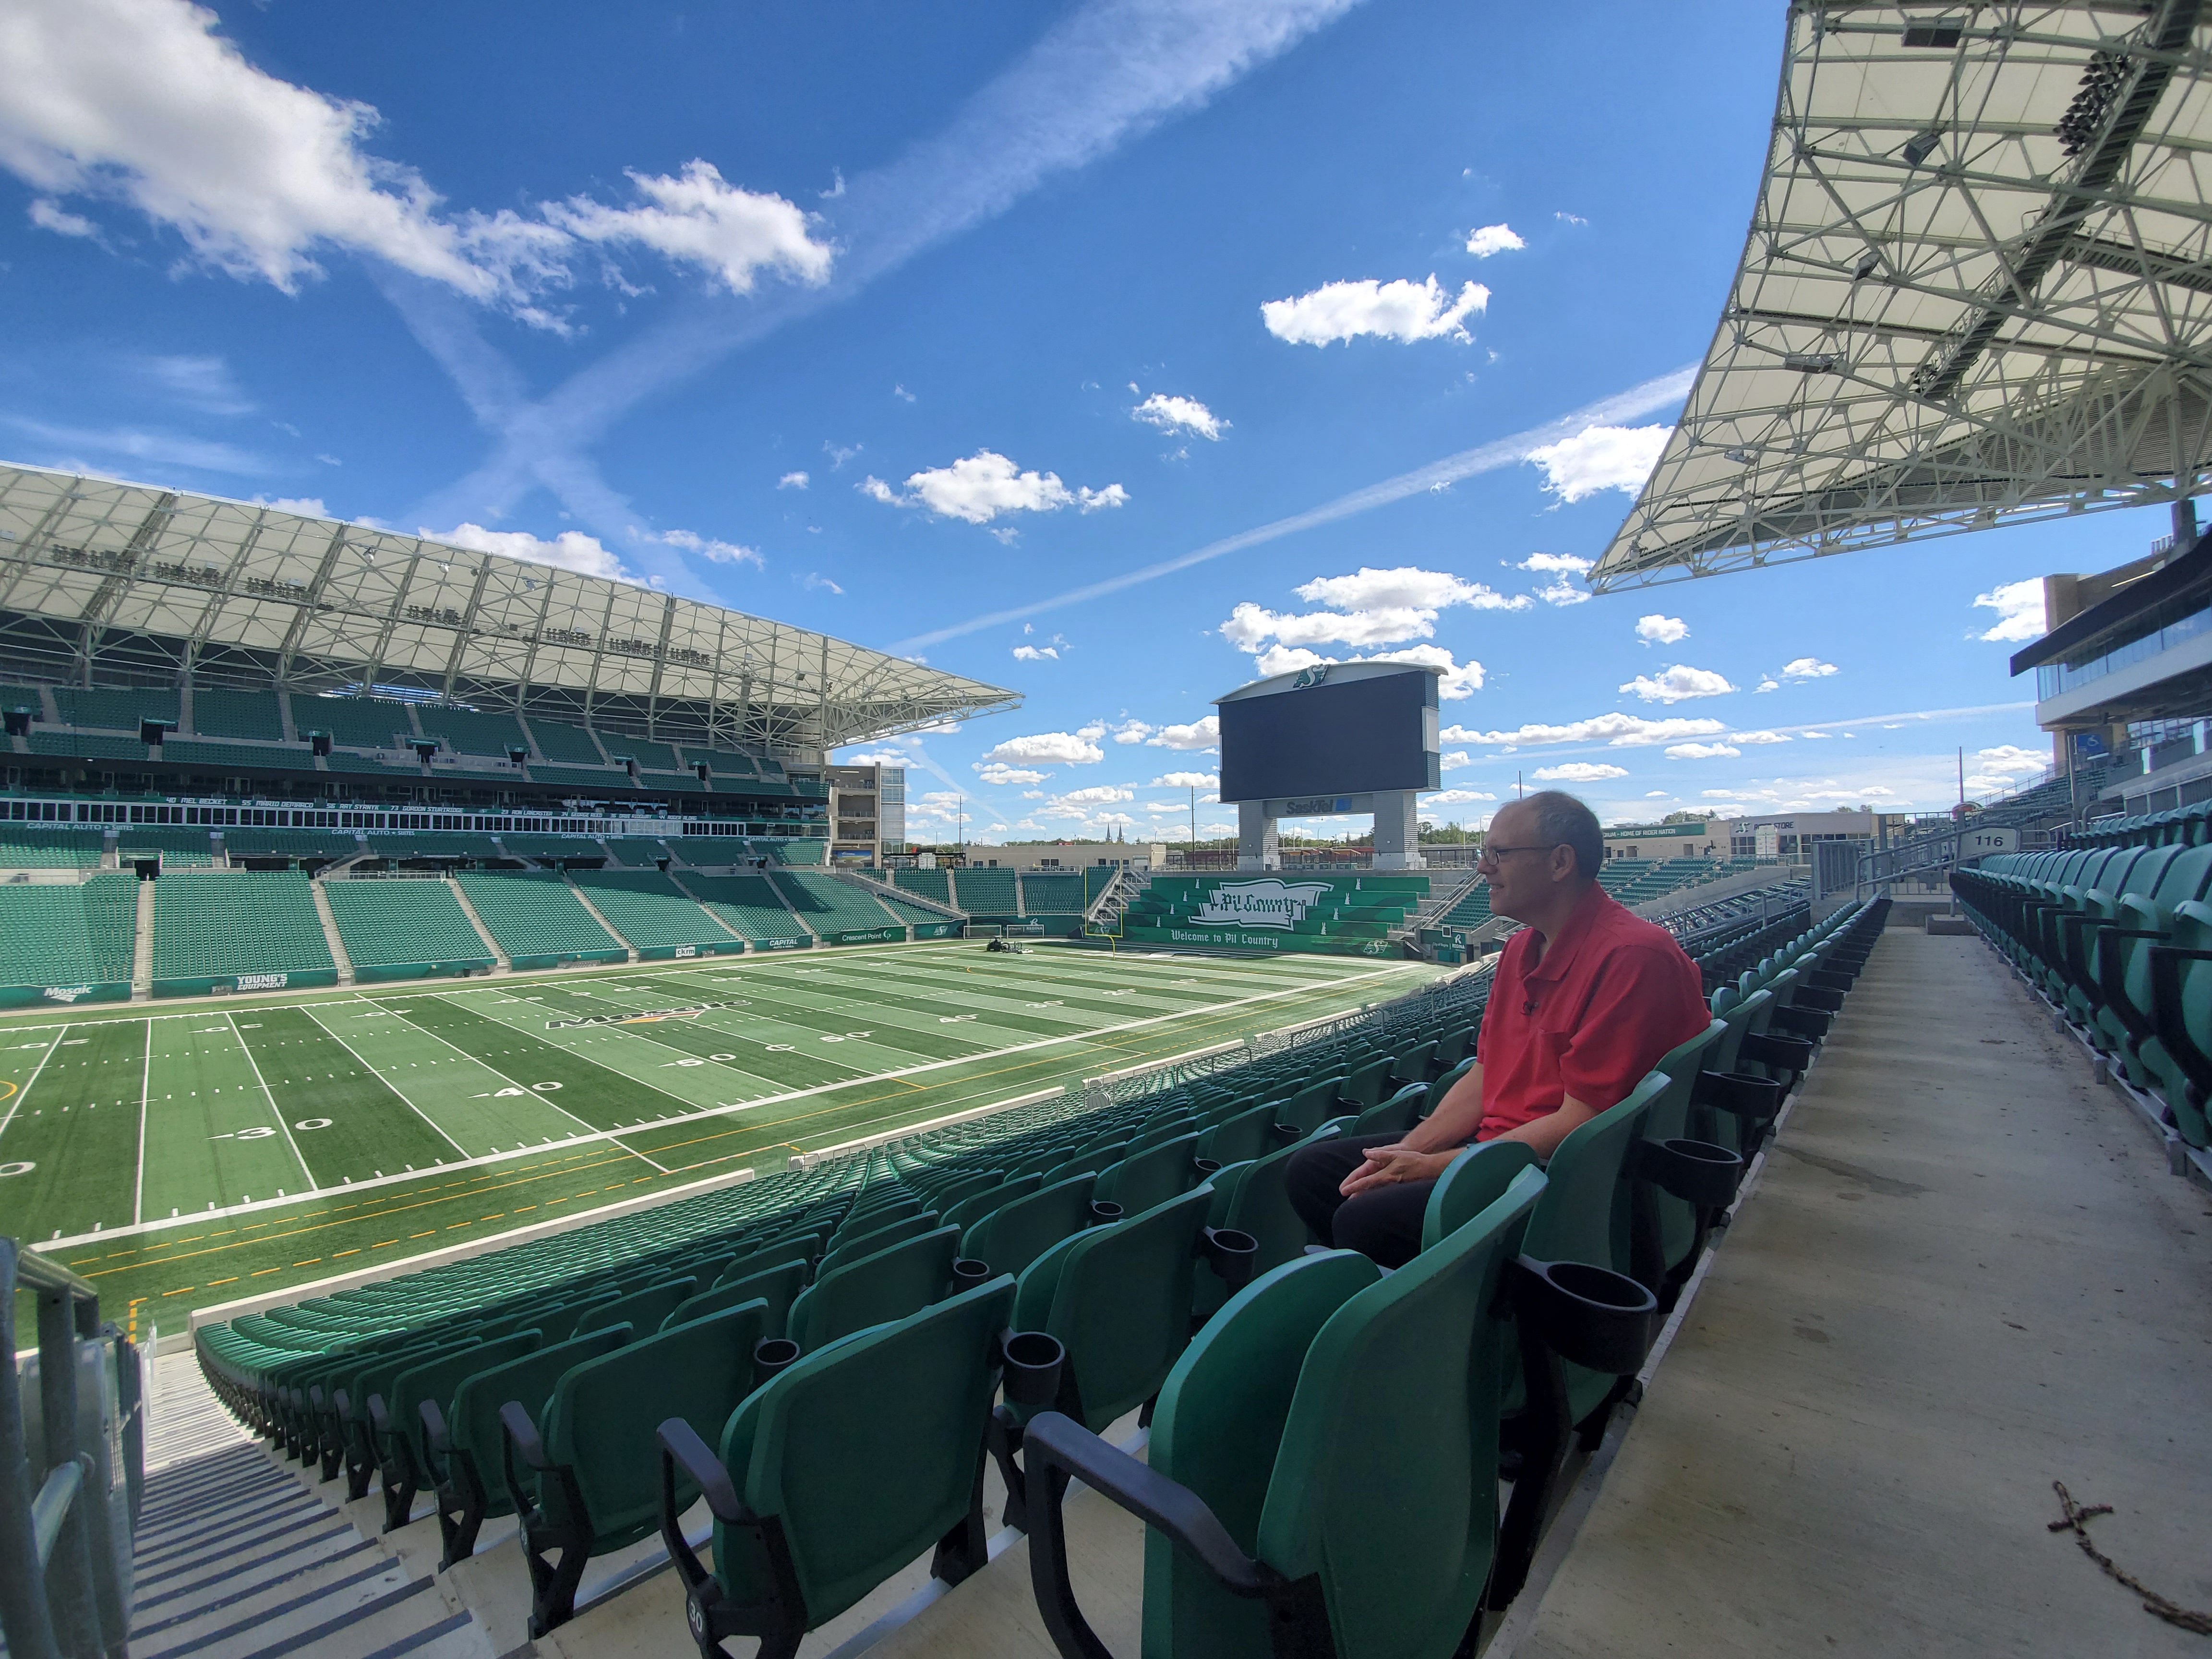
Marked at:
<point>1976,288</point>
<point>116,584</point>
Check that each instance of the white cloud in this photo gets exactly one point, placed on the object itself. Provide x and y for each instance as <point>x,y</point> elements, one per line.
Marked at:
<point>2009,759</point>
<point>1702,751</point>
<point>985,484</point>
<point>1767,683</point>
<point>1620,730</point>
<point>1493,238</point>
<point>707,548</point>
<point>792,481</point>
<point>1099,794</point>
<point>815,580</point>
<point>1456,797</point>
<point>1403,310</point>
<point>1001,775</point>
<point>1204,733</point>
<point>1570,218</point>
<point>1601,458</point>
<point>1376,607</point>
<point>1757,736</point>
<point>1679,683</point>
<point>307,507</point>
<point>1807,668</point>
<point>1562,593</point>
<point>901,394</point>
<point>1093,729</point>
<point>1657,629</point>
<point>1453,761</point>
<point>1460,679</point>
<point>696,219</point>
<point>1579,772</point>
<point>2018,606</point>
<point>1816,735</point>
<point>1655,794</point>
<point>205,383</point>
<point>887,757</point>
<point>1065,747</point>
<point>1185,781</point>
<point>571,549</point>
<point>1036,654</point>
<point>1172,414</point>
<point>51,216</point>
<point>1132,731</point>
<point>1566,564</point>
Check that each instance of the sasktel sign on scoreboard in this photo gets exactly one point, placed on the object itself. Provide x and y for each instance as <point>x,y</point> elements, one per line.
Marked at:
<point>1337,738</point>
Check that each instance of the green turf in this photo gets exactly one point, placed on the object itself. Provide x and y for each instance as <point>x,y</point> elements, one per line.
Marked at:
<point>798,1053</point>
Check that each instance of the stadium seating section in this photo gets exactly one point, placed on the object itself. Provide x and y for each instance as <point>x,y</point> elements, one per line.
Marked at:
<point>403,929</point>
<point>256,715</point>
<point>636,852</point>
<point>986,894</point>
<point>114,711</point>
<point>279,757</point>
<point>475,850</point>
<point>553,848</point>
<point>580,777</point>
<point>559,742</point>
<point>38,847</point>
<point>831,908</point>
<point>653,913</point>
<point>180,848</point>
<point>1353,914</point>
<point>79,745</point>
<point>80,934</point>
<point>538,920</point>
<point>749,904</point>
<point>313,844</point>
<point>1093,1259</point>
<point>339,761</point>
<point>208,927</point>
<point>355,722</point>
<point>929,883</point>
<point>23,696</point>
<point>466,731</point>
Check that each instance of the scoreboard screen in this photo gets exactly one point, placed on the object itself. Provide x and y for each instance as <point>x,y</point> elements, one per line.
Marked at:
<point>1327,733</point>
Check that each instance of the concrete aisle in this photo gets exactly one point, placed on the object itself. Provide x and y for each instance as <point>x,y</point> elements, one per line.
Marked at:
<point>1967,1272</point>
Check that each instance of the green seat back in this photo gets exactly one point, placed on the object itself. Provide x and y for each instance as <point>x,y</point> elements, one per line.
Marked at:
<point>850,1246</point>
<point>1367,1085</point>
<point>1470,1184</point>
<point>1014,1234</point>
<point>437,1379</point>
<point>973,1208</point>
<point>1119,1299</point>
<point>1145,1179</point>
<point>1313,1105</point>
<point>1248,1134</point>
<point>874,1290</point>
<point>1394,1116</point>
<point>1402,1558</point>
<point>643,1309</point>
<point>737,1295</point>
<point>956,1192</point>
<point>1416,1065</point>
<point>1216,1430</point>
<point>472,1424</point>
<point>868,1451</point>
<point>1263,1208</point>
<point>602,1417</point>
<point>1669,1119</point>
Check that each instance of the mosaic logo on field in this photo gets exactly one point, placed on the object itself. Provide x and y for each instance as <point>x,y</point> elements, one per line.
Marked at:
<point>1261,903</point>
<point>645,1017</point>
<point>263,981</point>
<point>67,992</point>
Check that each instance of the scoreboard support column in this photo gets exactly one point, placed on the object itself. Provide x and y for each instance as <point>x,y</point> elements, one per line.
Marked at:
<point>1397,830</point>
<point>1257,847</point>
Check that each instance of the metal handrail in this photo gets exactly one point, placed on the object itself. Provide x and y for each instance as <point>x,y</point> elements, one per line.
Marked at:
<point>61,1595</point>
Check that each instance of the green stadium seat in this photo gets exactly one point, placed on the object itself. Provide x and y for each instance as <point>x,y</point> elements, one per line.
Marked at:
<point>889,1284</point>
<point>592,1483</point>
<point>852,1246</point>
<point>397,1431</point>
<point>1152,1176</point>
<point>1015,1234</point>
<point>642,1309</point>
<point>842,1470</point>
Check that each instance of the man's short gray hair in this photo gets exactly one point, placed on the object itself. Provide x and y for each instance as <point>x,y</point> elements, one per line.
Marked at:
<point>1563,820</point>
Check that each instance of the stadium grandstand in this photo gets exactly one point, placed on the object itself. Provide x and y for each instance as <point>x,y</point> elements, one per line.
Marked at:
<point>740,1252</point>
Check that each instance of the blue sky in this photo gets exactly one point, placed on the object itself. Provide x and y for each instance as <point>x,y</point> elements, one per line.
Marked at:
<point>958,331</point>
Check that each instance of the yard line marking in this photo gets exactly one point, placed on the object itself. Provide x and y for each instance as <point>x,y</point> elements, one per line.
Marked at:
<point>145,1093</point>
<point>388,1083</point>
<point>898,1075</point>
<point>24,1093</point>
<point>305,1174</point>
<point>479,1060</point>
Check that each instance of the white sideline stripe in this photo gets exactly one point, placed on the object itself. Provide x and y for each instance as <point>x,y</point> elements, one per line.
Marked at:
<point>24,1093</point>
<point>357,1060</point>
<point>199,1217</point>
<point>145,1099</point>
<point>274,1111</point>
<point>808,1160</point>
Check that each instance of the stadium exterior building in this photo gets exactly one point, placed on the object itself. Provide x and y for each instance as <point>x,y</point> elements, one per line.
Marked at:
<point>165,657</point>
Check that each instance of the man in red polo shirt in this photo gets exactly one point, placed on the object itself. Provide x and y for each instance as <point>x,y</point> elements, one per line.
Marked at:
<point>1585,1000</point>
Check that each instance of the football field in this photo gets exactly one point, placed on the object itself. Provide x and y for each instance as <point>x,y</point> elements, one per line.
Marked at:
<point>185,1156</point>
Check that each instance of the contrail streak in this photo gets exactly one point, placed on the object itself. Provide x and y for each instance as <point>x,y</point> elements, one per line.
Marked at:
<point>1487,458</point>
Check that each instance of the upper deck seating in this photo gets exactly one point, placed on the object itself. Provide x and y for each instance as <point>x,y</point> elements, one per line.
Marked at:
<point>256,715</point>
<point>276,757</point>
<point>45,847</point>
<point>122,710</point>
<point>559,741</point>
<point>537,918</point>
<point>471,731</point>
<point>355,722</point>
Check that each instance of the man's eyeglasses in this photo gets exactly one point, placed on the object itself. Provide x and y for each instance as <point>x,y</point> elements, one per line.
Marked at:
<point>1492,855</point>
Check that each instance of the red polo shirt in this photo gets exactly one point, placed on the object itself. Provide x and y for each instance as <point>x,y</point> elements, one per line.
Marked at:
<point>1612,994</point>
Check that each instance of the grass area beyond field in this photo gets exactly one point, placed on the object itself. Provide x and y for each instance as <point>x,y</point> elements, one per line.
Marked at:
<point>197,1154</point>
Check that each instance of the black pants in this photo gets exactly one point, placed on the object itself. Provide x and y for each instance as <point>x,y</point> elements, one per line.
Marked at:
<point>1383,1224</point>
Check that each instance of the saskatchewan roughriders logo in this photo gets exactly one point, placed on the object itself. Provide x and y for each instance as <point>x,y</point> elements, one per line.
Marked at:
<point>1261,903</point>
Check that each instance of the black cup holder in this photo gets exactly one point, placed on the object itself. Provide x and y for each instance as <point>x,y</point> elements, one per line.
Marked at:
<point>1030,1363</point>
<point>1590,1316</point>
<point>1206,1166</point>
<point>1740,1094</point>
<point>1696,1171</point>
<point>772,1355</point>
<point>1104,1210</point>
<point>1230,1253</point>
<point>967,1273</point>
<point>1288,1132</point>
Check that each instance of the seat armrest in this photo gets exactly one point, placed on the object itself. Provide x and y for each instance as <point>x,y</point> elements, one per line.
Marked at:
<point>681,1447</point>
<point>379,1419</point>
<point>1819,997</point>
<point>434,1426</point>
<point>522,1434</point>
